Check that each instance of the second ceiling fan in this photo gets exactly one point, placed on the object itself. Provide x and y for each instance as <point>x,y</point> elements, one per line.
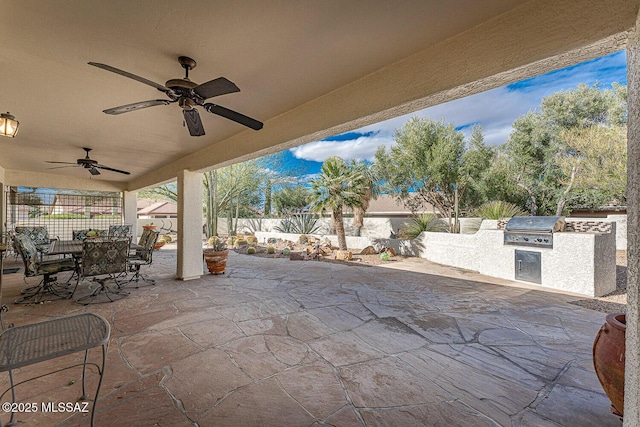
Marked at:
<point>188,95</point>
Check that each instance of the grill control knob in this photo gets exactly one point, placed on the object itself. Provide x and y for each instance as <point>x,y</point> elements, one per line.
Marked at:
<point>526,239</point>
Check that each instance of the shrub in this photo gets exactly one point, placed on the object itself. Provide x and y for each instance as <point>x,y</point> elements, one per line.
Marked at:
<point>251,250</point>
<point>241,242</point>
<point>498,209</point>
<point>251,239</point>
<point>424,222</point>
<point>303,239</point>
<point>384,256</point>
<point>286,251</point>
<point>65,215</point>
<point>271,249</point>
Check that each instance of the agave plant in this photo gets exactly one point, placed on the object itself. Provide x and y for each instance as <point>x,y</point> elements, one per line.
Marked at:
<point>498,209</point>
<point>298,224</point>
<point>424,222</point>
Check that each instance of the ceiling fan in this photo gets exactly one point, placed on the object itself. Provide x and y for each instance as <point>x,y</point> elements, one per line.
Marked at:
<point>91,165</point>
<point>188,95</point>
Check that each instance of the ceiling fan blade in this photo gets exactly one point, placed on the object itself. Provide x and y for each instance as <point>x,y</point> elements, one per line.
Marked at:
<point>233,115</point>
<point>62,163</point>
<point>216,87</point>
<point>192,119</point>
<point>136,106</point>
<point>93,171</point>
<point>63,167</point>
<point>107,168</point>
<point>131,76</point>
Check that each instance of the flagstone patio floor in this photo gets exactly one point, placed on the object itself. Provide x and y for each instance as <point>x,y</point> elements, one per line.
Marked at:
<point>275,342</point>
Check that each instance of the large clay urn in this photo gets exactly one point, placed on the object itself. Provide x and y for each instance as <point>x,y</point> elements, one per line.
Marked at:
<point>216,260</point>
<point>608,359</point>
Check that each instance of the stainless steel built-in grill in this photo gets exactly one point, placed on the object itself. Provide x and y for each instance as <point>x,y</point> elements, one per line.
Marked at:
<point>533,230</point>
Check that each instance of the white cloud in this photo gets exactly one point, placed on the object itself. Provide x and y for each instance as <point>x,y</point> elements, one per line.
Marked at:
<point>495,110</point>
<point>362,148</point>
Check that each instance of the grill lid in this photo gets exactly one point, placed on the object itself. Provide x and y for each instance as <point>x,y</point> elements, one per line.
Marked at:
<point>535,224</point>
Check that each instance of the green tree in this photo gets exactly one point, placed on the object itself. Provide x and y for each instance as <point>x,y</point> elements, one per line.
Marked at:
<point>337,187</point>
<point>424,166</point>
<point>291,199</point>
<point>476,162</point>
<point>536,148</point>
<point>596,164</point>
<point>371,190</point>
<point>232,190</point>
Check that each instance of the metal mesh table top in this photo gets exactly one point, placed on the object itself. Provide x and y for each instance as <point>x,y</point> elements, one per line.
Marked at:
<point>24,345</point>
<point>65,247</point>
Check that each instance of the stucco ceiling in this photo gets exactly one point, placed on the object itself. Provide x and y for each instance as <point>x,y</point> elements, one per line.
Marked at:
<point>285,56</point>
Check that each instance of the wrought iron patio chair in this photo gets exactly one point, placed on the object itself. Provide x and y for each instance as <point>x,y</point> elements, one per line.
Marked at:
<point>107,258</point>
<point>143,256</point>
<point>45,268</point>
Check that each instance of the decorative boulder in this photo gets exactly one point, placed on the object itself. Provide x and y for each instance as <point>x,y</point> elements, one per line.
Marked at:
<point>369,250</point>
<point>344,255</point>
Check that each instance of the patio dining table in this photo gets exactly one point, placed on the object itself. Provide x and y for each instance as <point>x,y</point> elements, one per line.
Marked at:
<point>74,247</point>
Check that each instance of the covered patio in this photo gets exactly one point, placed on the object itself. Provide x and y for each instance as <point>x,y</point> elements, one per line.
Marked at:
<point>271,344</point>
<point>307,70</point>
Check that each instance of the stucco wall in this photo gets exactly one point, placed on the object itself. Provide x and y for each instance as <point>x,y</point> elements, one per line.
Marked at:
<point>582,263</point>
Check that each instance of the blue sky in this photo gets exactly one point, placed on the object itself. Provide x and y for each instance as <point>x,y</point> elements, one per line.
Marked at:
<point>495,110</point>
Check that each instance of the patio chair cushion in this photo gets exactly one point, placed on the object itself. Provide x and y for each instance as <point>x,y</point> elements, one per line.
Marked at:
<point>144,237</point>
<point>33,267</point>
<point>83,234</point>
<point>104,256</point>
<point>38,235</point>
<point>143,256</point>
<point>125,230</point>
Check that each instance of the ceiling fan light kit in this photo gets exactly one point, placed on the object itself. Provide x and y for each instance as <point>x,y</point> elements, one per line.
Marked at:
<point>8,125</point>
<point>188,95</point>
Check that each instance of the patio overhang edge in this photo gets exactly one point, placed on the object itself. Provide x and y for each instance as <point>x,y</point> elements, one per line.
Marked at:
<point>33,179</point>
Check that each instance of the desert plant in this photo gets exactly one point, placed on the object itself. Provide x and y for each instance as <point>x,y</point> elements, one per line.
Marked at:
<point>216,243</point>
<point>299,223</point>
<point>498,209</point>
<point>286,251</point>
<point>384,256</point>
<point>271,249</point>
<point>251,239</point>
<point>241,242</point>
<point>303,239</point>
<point>254,224</point>
<point>424,222</point>
<point>251,251</point>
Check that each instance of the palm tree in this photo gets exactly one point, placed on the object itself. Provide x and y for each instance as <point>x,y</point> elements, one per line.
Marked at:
<point>337,186</point>
<point>371,191</point>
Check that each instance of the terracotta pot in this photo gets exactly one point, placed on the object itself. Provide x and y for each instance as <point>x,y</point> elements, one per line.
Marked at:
<point>216,260</point>
<point>159,244</point>
<point>149,227</point>
<point>608,359</point>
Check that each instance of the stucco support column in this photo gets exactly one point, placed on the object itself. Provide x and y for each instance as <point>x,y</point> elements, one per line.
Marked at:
<point>632,363</point>
<point>189,225</point>
<point>130,209</point>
